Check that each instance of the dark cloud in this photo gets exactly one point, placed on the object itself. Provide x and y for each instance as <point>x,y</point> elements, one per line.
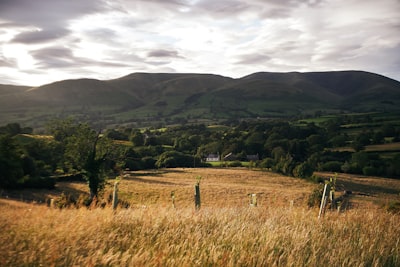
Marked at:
<point>7,62</point>
<point>49,18</point>
<point>289,3</point>
<point>168,2</point>
<point>60,57</point>
<point>253,59</point>
<point>161,53</point>
<point>54,57</point>
<point>272,9</point>
<point>52,52</point>
<point>40,36</point>
<point>104,36</point>
<point>222,7</point>
<point>161,57</point>
<point>289,46</point>
<point>157,63</point>
<point>8,25</point>
<point>47,12</point>
<point>278,12</point>
<point>154,7</point>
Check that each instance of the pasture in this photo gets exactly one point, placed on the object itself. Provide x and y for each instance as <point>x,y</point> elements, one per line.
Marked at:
<point>281,231</point>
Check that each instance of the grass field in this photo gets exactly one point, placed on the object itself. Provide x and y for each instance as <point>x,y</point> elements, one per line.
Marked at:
<point>280,231</point>
<point>382,148</point>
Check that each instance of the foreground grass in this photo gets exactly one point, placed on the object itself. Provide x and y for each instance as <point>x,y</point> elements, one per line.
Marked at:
<point>281,231</point>
<point>162,236</point>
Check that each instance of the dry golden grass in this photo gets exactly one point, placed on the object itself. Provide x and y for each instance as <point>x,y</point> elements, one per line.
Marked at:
<point>224,232</point>
<point>367,191</point>
<point>219,187</point>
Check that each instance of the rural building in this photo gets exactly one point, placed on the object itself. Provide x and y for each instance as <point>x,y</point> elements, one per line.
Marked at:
<point>212,157</point>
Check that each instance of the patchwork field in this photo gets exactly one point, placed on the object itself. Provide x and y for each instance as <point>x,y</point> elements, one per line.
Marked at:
<point>281,231</point>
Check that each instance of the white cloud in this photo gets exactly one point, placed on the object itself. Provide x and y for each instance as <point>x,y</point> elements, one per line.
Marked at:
<point>100,39</point>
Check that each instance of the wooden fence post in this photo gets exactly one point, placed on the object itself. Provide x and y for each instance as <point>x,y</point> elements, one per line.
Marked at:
<point>173,198</point>
<point>324,200</point>
<point>197,196</point>
<point>115,196</point>
<point>253,200</point>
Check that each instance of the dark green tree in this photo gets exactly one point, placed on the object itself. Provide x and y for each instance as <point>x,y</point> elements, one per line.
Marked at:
<point>303,170</point>
<point>360,141</point>
<point>11,167</point>
<point>85,151</point>
<point>254,143</point>
<point>137,138</point>
<point>172,159</point>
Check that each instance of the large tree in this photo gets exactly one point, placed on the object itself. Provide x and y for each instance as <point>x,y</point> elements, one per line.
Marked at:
<point>11,171</point>
<point>85,151</point>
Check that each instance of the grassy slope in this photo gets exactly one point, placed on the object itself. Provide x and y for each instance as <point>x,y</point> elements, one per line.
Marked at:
<point>225,232</point>
<point>201,96</point>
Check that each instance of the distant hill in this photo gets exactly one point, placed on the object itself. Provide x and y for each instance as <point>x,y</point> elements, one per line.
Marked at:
<point>144,98</point>
<point>6,89</point>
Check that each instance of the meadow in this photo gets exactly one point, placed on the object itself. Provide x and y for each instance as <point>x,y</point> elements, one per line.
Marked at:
<point>280,231</point>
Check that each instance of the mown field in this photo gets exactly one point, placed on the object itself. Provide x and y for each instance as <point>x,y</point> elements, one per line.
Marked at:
<point>281,231</point>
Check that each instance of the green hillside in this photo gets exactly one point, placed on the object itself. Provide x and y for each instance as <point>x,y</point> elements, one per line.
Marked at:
<point>148,98</point>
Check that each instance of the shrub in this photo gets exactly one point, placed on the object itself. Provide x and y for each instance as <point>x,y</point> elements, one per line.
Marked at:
<point>235,163</point>
<point>314,198</point>
<point>303,170</point>
<point>132,164</point>
<point>148,163</point>
<point>332,166</point>
<point>393,207</point>
<point>173,159</point>
<point>316,179</point>
<point>370,171</point>
<point>267,163</point>
<point>64,201</point>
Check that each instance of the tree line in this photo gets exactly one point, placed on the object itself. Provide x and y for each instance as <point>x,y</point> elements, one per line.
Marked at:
<point>70,149</point>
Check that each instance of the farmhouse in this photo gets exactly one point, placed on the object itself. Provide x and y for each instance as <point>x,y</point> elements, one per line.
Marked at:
<point>212,157</point>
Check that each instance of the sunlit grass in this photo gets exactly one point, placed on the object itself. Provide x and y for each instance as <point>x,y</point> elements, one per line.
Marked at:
<point>226,231</point>
<point>163,236</point>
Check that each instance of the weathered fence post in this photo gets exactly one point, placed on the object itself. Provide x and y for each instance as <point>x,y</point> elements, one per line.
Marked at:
<point>253,200</point>
<point>197,201</point>
<point>115,196</point>
<point>197,196</point>
<point>324,199</point>
<point>173,198</point>
<point>332,183</point>
<point>332,199</point>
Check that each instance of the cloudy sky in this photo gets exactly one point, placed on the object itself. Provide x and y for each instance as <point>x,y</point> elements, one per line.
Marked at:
<point>48,40</point>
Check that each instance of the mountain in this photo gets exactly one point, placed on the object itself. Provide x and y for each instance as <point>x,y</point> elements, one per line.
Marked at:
<point>145,98</point>
<point>81,92</point>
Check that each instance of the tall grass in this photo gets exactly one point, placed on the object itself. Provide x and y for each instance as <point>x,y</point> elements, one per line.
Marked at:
<point>33,235</point>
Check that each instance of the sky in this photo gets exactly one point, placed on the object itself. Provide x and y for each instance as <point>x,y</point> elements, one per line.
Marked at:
<point>42,41</point>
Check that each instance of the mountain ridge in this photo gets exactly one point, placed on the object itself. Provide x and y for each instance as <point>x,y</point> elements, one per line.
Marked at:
<point>172,97</point>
